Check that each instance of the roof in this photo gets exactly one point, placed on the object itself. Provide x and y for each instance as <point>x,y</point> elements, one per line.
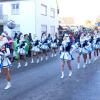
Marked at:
<point>6,0</point>
<point>67,21</point>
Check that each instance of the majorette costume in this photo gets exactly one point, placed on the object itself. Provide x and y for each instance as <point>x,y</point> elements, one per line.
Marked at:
<point>54,43</point>
<point>4,60</point>
<point>44,45</point>
<point>4,53</point>
<point>21,46</point>
<point>36,46</point>
<point>65,49</point>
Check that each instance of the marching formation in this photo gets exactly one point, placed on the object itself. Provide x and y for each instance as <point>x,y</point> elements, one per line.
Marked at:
<point>87,46</point>
<point>23,46</point>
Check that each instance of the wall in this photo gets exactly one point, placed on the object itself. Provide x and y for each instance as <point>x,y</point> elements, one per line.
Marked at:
<point>26,17</point>
<point>46,20</point>
<point>30,18</point>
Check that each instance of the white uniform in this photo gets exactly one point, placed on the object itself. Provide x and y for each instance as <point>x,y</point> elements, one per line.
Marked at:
<point>4,55</point>
<point>44,46</point>
<point>36,48</point>
<point>4,58</point>
<point>77,48</point>
<point>85,50</point>
<point>21,50</point>
<point>54,43</point>
<point>89,47</point>
<point>65,55</point>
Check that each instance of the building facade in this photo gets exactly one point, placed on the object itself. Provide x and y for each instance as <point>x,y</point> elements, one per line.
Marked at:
<point>30,16</point>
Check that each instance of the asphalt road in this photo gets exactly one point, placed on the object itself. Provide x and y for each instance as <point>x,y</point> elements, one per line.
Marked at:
<point>42,82</point>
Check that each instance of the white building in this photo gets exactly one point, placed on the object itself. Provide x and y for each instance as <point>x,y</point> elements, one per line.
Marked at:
<point>30,16</point>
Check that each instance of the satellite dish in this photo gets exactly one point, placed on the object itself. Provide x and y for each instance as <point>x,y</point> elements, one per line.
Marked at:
<point>11,24</point>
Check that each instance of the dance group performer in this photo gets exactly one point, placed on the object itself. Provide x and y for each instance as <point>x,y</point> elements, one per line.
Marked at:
<point>65,49</point>
<point>4,60</point>
<point>23,46</point>
<point>88,46</point>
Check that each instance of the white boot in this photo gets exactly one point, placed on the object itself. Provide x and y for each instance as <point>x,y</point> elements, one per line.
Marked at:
<point>95,58</point>
<point>89,61</point>
<point>46,57</point>
<point>41,58</point>
<point>37,61</point>
<point>32,61</point>
<point>26,64</point>
<point>70,73</point>
<point>78,67</point>
<point>86,62</point>
<point>19,65</point>
<point>84,66</point>
<point>0,70</point>
<point>55,54</point>
<point>62,76</point>
<point>8,86</point>
<point>52,55</point>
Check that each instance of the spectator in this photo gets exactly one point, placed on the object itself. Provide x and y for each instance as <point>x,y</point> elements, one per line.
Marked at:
<point>30,37</point>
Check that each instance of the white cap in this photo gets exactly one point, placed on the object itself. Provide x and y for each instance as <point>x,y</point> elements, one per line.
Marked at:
<point>66,35</point>
<point>21,38</point>
<point>3,41</point>
<point>4,34</point>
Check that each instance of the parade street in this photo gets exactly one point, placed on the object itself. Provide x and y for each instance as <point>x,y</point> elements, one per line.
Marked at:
<point>42,82</point>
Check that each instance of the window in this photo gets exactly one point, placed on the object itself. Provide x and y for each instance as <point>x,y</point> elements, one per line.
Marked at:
<point>43,1</point>
<point>43,28</point>
<point>15,6</point>
<point>15,9</point>
<point>1,10</point>
<point>1,29</point>
<point>52,12</point>
<point>43,10</point>
<point>52,29</point>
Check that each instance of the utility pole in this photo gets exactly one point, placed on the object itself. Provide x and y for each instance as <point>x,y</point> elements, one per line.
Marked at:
<point>57,6</point>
